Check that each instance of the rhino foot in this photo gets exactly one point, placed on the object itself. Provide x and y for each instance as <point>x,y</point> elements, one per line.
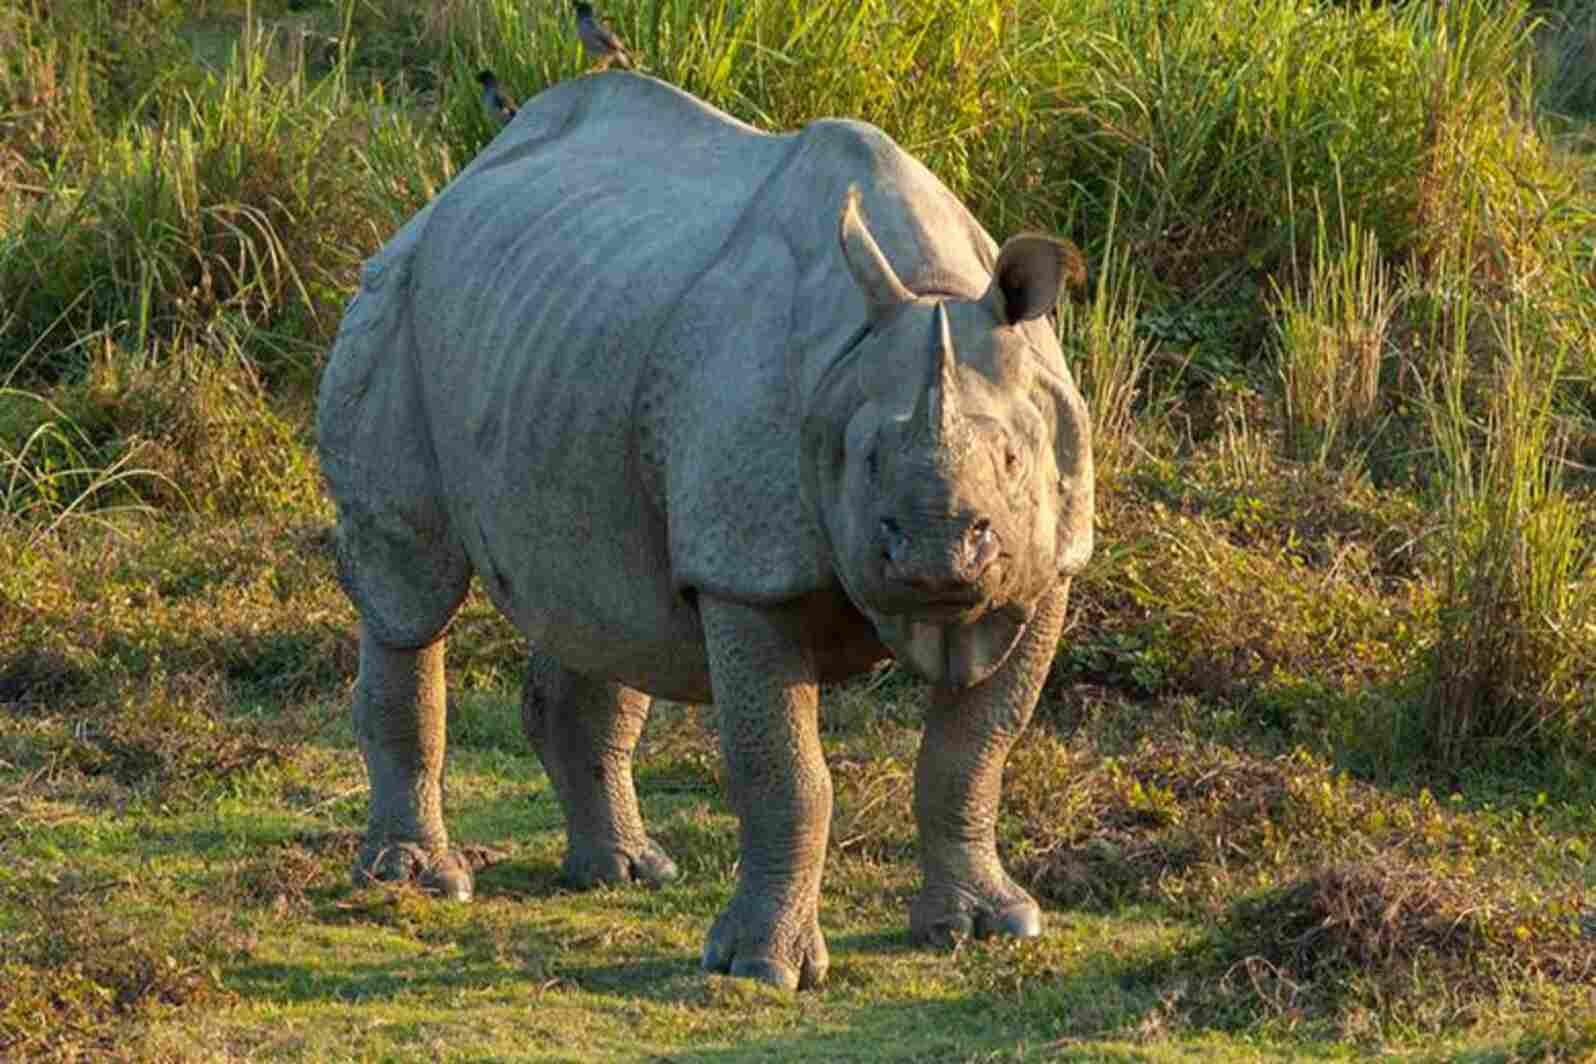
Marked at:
<point>948,913</point>
<point>446,872</point>
<point>588,865</point>
<point>758,939</point>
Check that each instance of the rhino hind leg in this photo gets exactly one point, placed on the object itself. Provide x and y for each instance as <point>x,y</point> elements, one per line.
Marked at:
<point>399,724</point>
<point>584,731</point>
<point>406,579</point>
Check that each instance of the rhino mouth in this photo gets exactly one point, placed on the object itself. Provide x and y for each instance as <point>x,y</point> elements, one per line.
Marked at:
<point>954,650</point>
<point>947,609</point>
<point>948,605</point>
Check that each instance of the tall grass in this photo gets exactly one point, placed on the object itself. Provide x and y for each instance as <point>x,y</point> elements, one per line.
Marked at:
<point>1208,122</point>
<point>1333,345</point>
<point>174,260</point>
<point>1222,117</point>
<point>1513,593</point>
<point>243,202</point>
<point>54,473</point>
<point>949,81</point>
<point>1567,53</point>
<point>1113,358</point>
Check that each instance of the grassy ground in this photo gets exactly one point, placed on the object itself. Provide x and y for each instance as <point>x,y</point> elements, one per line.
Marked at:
<point>1315,773</point>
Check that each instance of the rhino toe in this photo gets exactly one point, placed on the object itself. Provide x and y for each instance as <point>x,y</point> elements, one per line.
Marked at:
<point>764,970</point>
<point>945,918</point>
<point>1020,920</point>
<point>590,866</point>
<point>753,941</point>
<point>446,873</point>
<point>654,866</point>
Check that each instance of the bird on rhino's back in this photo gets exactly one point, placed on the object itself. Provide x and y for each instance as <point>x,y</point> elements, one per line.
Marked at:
<point>601,43</point>
<point>740,413</point>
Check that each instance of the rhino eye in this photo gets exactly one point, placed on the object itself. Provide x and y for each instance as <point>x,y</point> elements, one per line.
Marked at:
<point>873,462</point>
<point>1011,461</point>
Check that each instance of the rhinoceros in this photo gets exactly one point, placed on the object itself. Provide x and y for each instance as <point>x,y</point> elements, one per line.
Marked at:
<point>714,415</point>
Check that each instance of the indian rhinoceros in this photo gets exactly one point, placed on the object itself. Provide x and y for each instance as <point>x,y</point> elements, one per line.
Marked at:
<point>713,414</point>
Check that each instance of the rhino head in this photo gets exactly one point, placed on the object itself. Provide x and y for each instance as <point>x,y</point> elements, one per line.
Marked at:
<point>948,458</point>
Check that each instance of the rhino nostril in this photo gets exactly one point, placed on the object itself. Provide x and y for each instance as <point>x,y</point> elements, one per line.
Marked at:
<point>982,544</point>
<point>892,539</point>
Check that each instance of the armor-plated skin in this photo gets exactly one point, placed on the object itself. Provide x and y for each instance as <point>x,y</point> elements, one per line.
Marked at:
<point>737,415</point>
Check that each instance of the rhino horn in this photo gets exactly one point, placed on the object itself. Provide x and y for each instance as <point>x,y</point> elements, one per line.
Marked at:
<point>870,268</point>
<point>938,408</point>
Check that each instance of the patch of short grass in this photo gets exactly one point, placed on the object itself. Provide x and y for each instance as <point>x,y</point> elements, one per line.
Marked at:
<point>1157,857</point>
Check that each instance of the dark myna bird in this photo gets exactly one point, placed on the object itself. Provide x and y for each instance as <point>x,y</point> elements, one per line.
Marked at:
<point>601,42</point>
<point>496,104</point>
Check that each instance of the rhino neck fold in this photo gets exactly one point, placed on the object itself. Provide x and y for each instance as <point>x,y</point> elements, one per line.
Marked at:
<point>954,655</point>
<point>837,364</point>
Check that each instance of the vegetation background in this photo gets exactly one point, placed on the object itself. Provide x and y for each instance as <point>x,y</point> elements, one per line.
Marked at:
<point>1315,774</point>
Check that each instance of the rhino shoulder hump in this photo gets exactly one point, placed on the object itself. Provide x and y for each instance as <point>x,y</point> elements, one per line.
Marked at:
<point>856,148</point>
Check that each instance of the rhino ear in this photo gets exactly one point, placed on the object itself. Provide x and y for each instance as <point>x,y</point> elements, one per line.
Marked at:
<point>1031,273</point>
<point>870,268</point>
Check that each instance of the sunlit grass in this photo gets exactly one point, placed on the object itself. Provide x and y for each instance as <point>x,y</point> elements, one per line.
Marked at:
<point>1333,347</point>
<point>1515,576</point>
<point>54,474</point>
<point>1111,366</point>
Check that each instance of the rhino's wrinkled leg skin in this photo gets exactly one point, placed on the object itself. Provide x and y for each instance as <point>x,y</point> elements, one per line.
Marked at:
<point>399,723</point>
<point>957,786</point>
<point>764,680</point>
<point>584,731</point>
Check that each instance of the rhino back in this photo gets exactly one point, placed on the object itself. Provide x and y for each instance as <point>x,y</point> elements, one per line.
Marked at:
<point>539,291</point>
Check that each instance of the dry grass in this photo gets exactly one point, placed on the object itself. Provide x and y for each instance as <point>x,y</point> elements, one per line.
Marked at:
<point>1405,941</point>
<point>78,977</point>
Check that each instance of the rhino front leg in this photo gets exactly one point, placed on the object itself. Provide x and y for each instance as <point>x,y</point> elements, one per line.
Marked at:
<point>958,784</point>
<point>584,731</point>
<point>764,679</point>
<point>399,723</point>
